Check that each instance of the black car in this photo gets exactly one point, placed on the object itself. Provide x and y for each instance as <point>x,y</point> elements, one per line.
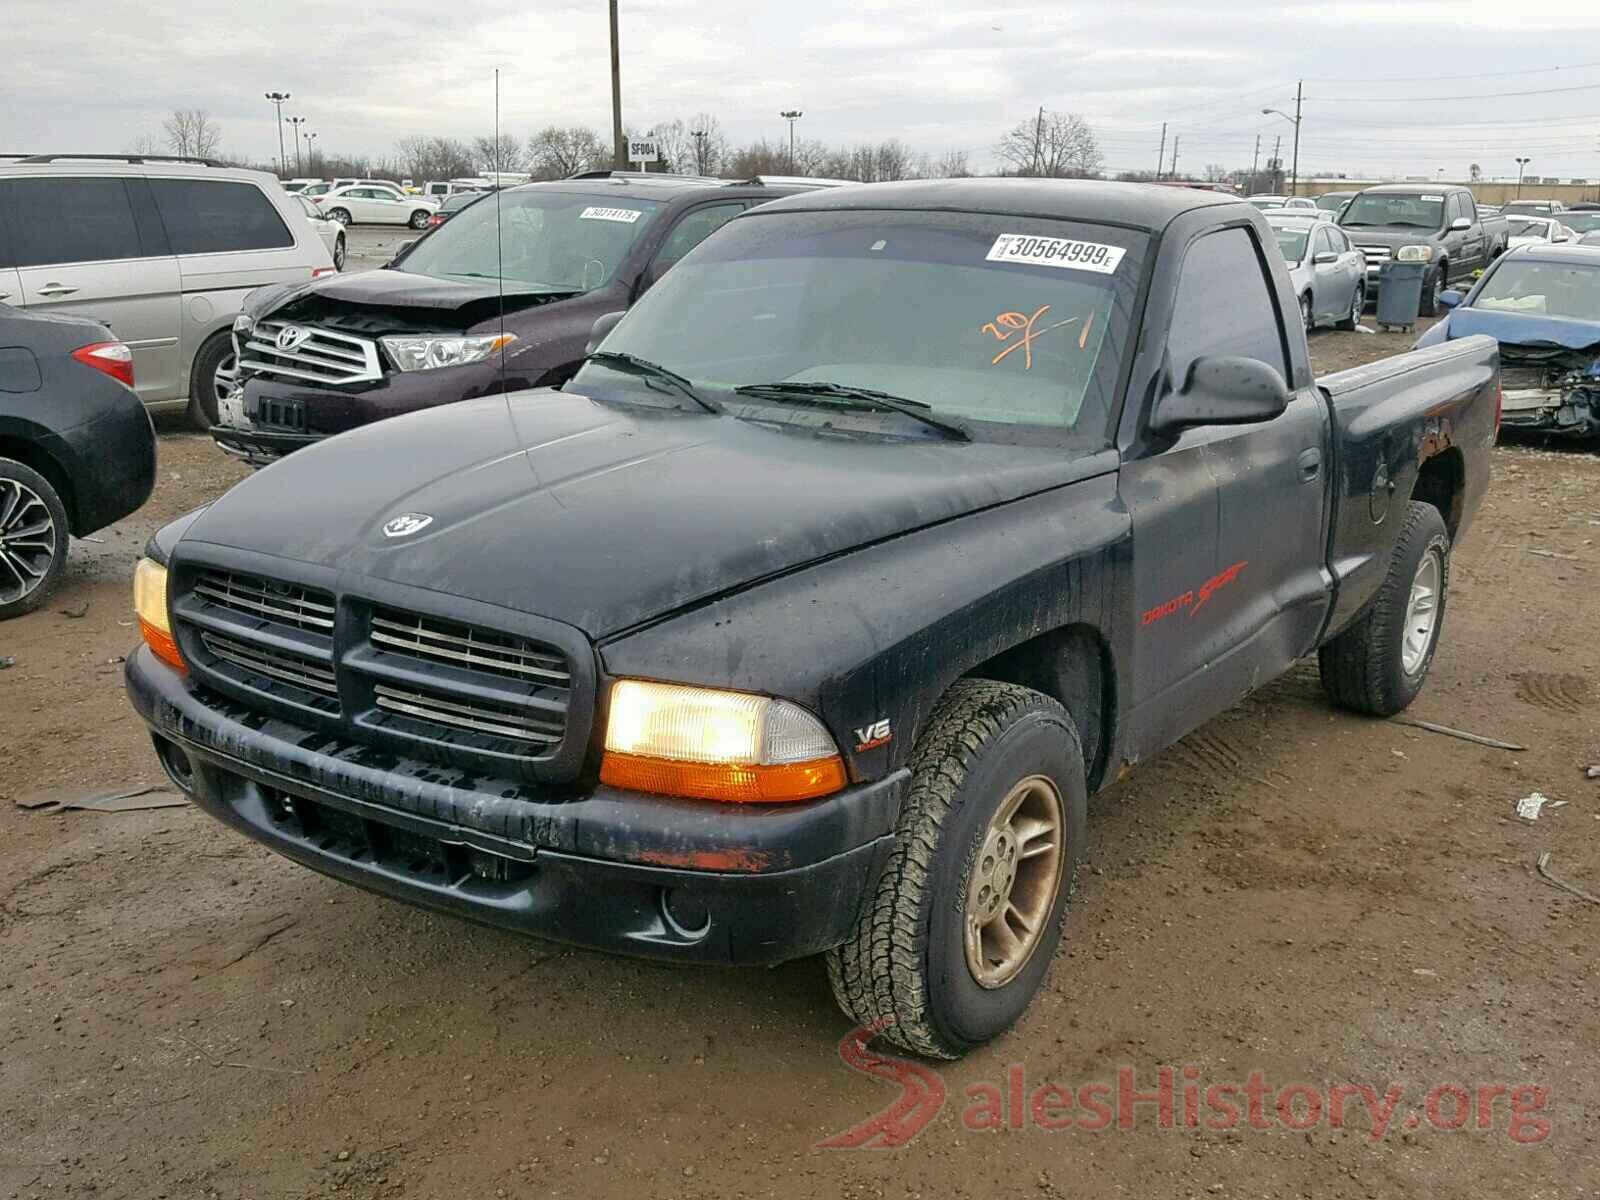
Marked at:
<point>499,298</point>
<point>452,205</point>
<point>76,448</point>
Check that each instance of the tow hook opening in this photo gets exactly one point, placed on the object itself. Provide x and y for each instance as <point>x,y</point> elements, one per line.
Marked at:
<point>686,911</point>
<point>176,764</point>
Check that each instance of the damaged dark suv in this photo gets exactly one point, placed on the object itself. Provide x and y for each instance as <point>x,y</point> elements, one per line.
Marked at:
<point>319,359</point>
<point>1542,304</point>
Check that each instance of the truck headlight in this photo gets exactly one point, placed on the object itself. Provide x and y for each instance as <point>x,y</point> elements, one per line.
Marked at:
<point>1414,254</point>
<point>428,353</point>
<point>690,741</point>
<point>150,606</point>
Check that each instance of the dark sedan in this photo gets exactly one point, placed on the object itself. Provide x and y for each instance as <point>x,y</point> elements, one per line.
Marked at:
<point>76,448</point>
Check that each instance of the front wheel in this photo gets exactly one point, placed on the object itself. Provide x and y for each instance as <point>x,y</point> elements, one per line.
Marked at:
<point>33,538</point>
<point>419,219</point>
<point>1358,305</point>
<point>338,253</point>
<point>1432,289</point>
<point>959,936</point>
<point>1379,664</point>
<point>215,374</point>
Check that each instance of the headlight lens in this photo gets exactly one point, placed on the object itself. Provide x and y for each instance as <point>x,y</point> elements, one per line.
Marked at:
<point>429,353</point>
<point>150,606</point>
<point>1414,254</point>
<point>689,741</point>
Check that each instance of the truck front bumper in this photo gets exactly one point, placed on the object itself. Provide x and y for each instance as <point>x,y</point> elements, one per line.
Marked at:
<point>609,870</point>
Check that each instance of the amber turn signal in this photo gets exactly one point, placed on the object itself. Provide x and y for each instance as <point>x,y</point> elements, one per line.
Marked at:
<point>733,782</point>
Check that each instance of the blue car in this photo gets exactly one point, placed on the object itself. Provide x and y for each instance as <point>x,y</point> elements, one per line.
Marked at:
<point>1542,304</point>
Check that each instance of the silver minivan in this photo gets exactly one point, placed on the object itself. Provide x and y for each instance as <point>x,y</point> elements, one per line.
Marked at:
<point>162,251</point>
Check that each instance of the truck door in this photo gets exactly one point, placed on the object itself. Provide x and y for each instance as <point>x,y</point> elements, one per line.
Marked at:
<point>1272,483</point>
<point>1476,244</point>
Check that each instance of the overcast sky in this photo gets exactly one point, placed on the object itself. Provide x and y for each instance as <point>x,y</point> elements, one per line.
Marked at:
<point>1404,86</point>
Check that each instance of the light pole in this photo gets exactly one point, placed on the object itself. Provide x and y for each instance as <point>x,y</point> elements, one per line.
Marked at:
<point>311,151</point>
<point>619,148</point>
<point>277,99</point>
<point>1299,95</point>
<point>699,136</point>
<point>295,123</point>
<point>1521,162</point>
<point>791,115</point>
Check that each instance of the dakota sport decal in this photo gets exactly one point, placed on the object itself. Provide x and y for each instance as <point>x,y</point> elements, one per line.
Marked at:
<point>1188,599</point>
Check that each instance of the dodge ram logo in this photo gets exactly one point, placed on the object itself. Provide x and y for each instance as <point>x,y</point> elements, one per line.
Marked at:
<point>290,338</point>
<point>406,524</point>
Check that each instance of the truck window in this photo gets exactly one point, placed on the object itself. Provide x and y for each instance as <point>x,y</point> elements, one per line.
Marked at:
<point>210,216</point>
<point>694,228</point>
<point>1223,305</point>
<point>56,221</point>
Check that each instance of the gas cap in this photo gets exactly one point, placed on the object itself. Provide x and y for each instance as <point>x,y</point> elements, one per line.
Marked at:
<point>1378,498</point>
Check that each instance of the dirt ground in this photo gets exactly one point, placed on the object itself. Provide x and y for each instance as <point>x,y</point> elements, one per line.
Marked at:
<point>1291,890</point>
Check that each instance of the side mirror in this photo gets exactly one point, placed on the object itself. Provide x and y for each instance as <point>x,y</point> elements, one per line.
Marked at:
<point>1222,390</point>
<point>598,331</point>
<point>1459,224</point>
<point>1449,298</point>
<point>1325,259</point>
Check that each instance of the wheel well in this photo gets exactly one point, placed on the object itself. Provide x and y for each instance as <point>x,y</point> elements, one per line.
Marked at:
<point>1073,666</point>
<point>29,455</point>
<point>1440,482</point>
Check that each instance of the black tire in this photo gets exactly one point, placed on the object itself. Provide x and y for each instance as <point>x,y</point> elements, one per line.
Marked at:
<point>1357,307</point>
<point>341,215</point>
<point>419,219</point>
<point>203,383</point>
<point>905,969</point>
<point>30,564</point>
<point>1433,287</point>
<point>1307,313</point>
<point>338,253</point>
<point>1364,668</point>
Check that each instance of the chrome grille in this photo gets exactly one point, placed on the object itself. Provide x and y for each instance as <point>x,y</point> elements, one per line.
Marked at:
<point>325,356</point>
<point>284,604</point>
<point>496,653</point>
<point>274,663</point>
<point>505,721</point>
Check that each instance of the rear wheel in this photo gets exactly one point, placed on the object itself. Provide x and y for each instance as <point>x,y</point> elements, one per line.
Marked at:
<point>338,253</point>
<point>419,219</point>
<point>214,374</point>
<point>968,912</point>
<point>33,538</point>
<point>341,215</point>
<point>1378,665</point>
<point>1358,305</point>
<point>1307,313</point>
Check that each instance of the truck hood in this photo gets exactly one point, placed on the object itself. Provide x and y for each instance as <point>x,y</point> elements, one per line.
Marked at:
<point>604,515</point>
<point>1525,329</point>
<point>348,298</point>
<point>1392,236</point>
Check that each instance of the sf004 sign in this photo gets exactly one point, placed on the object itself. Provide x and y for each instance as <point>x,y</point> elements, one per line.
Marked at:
<point>643,150</point>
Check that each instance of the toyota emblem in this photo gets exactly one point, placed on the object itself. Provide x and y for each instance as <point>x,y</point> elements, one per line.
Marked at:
<point>291,337</point>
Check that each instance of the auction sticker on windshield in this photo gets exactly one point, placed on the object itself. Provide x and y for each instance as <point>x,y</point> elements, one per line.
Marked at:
<point>1055,252</point>
<point>595,213</point>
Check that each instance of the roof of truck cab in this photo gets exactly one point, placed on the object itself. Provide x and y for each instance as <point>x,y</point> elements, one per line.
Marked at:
<point>1149,206</point>
<point>1406,189</point>
<point>1569,253</point>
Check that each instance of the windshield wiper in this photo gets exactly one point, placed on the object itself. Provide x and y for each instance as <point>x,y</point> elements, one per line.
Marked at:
<point>851,396</point>
<point>632,364</point>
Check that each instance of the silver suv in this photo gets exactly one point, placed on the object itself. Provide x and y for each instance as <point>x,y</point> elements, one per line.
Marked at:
<point>161,250</point>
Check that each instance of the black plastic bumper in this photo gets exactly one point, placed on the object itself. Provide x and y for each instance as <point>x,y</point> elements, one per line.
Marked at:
<point>260,446</point>
<point>610,870</point>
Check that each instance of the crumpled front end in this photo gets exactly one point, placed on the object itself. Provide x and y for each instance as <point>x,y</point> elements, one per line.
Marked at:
<point>1550,390</point>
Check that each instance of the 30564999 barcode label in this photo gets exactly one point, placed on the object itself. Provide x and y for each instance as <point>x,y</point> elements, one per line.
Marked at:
<point>1055,252</point>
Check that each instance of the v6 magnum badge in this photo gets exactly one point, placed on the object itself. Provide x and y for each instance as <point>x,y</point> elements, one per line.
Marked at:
<point>870,737</point>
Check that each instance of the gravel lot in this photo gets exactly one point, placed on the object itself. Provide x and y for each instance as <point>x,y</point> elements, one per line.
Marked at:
<point>1290,890</point>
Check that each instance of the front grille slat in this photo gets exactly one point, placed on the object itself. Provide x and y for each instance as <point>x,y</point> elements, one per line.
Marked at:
<point>480,718</point>
<point>275,664</point>
<point>325,356</point>
<point>301,607</point>
<point>491,652</point>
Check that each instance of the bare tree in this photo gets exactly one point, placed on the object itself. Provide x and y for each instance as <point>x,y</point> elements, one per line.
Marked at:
<point>1475,172</point>
<point>1054,144</point>
<point>710,144</point>
<point>674,145</point>
<point>1215,173</point>
<point>950,165</point>
<point>555,153</point>
<point>191,133</point>
<point>505,155</point>
<point>145,144</point>
<point>430,158</point>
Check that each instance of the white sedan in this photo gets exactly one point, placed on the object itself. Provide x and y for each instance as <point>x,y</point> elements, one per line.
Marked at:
<point>1536,231</point>
<point>330,231</point>
<point>377,204</point>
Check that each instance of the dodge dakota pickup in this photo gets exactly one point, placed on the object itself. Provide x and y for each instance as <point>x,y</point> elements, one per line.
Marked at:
<point>802,621</point>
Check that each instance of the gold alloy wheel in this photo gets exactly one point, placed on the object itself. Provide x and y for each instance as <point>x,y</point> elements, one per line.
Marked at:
<point>1014,883</point>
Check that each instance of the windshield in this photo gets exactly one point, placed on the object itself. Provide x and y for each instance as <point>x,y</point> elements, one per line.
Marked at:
<point>563,241</point>
<point>1293,243</point>
<point>1526,208</point>
<point>1266,202</point>
<point>1543,289</point>
<point>1001,321</point>
<point>1581,222</point>
<point>1528,227</point>
<point>1333,201</point>
<point>1418,211</point>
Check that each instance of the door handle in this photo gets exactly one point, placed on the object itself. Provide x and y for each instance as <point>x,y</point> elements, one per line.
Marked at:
<point>1310,462</point>
<point>56,289</point>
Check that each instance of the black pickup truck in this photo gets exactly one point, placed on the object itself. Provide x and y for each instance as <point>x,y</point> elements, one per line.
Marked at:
<point>889,525</point>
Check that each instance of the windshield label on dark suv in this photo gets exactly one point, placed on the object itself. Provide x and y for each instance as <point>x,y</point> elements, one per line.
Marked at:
<point>1055,252</point>
<point>595,213</point>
